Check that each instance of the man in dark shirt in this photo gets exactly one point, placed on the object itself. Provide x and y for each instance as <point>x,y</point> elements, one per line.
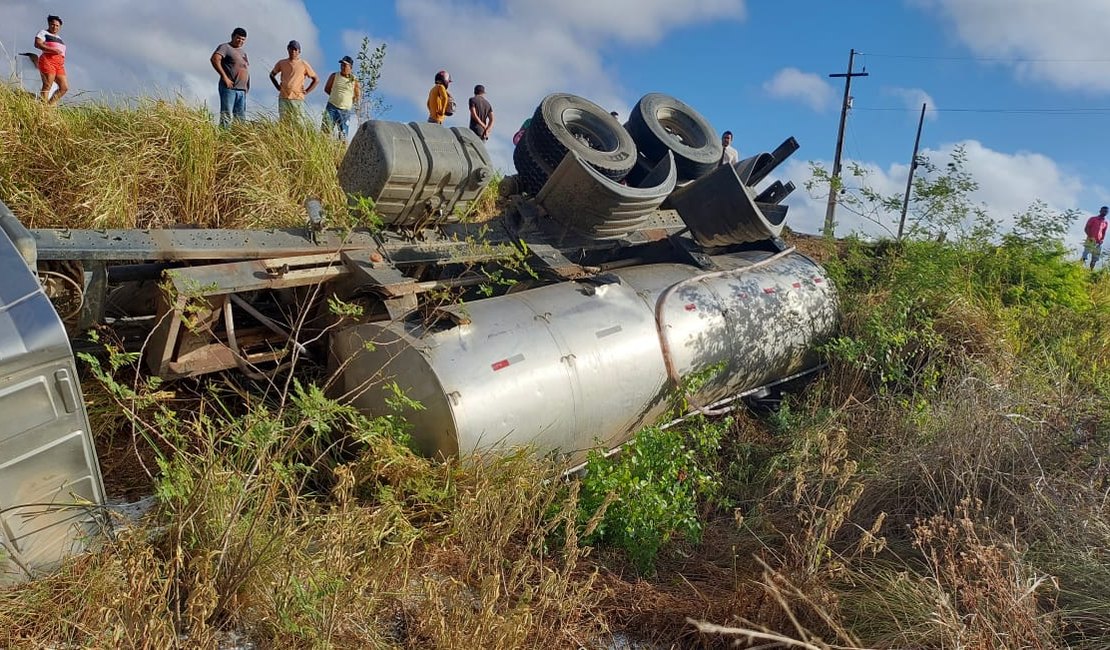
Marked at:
<point>230,61</point>
<point>481,113</point>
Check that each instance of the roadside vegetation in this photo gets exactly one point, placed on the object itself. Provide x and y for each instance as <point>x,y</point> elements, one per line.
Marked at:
<point>942,484</point>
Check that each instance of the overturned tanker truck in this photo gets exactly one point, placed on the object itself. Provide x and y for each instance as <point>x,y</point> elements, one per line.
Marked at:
<point>642,262</point>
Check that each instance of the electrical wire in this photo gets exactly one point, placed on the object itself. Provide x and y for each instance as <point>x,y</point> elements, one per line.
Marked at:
<point>1019,111</point>
<point>997,59</point>
<point>853,142</point>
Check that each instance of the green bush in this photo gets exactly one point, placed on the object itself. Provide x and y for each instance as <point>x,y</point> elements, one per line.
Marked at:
<point>651,492</point>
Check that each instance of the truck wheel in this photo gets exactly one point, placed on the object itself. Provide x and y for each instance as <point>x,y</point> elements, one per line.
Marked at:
<point>660,122</point>
<point>529,174</point>
<point>565,122</point>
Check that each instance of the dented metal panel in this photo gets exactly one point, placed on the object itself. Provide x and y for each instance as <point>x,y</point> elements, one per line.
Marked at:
<point>50,484</point>
<point>591,204</point>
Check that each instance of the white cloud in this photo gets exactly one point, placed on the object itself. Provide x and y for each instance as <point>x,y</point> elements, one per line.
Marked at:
<point>1008,184</point>
<point>913,98</point>
<point>528,49</point>
<point>136,47</point>
<point>521,50</point>
<point>630,21</point>
<point>806,87</point>
<point>1070,33</point>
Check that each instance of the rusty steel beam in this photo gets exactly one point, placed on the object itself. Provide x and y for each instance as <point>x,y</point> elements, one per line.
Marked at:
<point>192,244</point>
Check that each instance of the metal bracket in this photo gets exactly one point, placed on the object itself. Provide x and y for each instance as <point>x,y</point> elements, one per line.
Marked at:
<point>370,269</point>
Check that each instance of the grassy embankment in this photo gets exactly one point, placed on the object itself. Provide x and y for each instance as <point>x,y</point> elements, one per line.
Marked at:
<point>942,485</point>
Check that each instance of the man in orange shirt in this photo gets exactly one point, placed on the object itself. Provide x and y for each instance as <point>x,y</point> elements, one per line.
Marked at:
<point>291,89</point>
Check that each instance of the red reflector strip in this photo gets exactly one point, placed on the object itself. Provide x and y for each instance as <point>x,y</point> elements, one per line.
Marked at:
<point>505,363</point>
<point>768,290</point>
<point>691,307</point>
<point>818,280</point>
<point>797,285</point>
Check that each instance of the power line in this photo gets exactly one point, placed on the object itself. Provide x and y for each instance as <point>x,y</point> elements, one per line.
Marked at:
<point>854,149</point>
<point>1021,111</point>
<point>983,58</point>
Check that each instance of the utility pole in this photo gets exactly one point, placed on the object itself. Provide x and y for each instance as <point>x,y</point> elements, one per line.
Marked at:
<point>909,181</point>
<point>830,211</point>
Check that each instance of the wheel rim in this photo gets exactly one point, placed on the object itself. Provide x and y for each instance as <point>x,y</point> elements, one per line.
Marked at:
<point>681,127</point>
<point>590,131</point>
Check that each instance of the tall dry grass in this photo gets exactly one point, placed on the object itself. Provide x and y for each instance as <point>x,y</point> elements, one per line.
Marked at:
<point>944,485</point>
<point>155,163</point>
<point>263,528</point>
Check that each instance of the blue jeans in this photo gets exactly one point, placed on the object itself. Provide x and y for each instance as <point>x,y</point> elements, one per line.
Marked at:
<point>232,102</point>
<point>1091,249</point>
<point>336,118</point>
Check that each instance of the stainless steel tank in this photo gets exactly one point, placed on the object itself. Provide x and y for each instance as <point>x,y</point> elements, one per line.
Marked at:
<point>584,364</point>
<point>415,172</point>
<point>50,485</point>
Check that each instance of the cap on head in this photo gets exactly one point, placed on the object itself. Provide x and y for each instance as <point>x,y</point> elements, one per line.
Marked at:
<point>293,45</point>
<point>348,60</point>
<point>238,31</point>
<point>443,76</point>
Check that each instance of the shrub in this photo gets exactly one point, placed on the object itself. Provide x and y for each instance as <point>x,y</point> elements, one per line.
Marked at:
<point>651,491</point>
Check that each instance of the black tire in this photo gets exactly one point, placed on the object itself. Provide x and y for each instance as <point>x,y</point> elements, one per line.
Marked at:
<point>564,122</point>
<point>660,122</point>
<point>529,174</point>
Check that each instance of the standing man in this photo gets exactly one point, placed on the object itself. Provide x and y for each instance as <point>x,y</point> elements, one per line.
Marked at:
<point>439,100</point>
<point>1096,233</point>
<point>52,61</point>
<point>291,90</point>
<point>343,93</point>
<point>481,113</point>
<point>230,60</point>
<point>729,155</point>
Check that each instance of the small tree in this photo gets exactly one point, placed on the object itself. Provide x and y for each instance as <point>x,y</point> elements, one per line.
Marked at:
<point>941,203</point>
<point>370,62</point>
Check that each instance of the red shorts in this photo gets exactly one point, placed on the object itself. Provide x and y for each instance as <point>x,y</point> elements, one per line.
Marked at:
<point>52,64</point>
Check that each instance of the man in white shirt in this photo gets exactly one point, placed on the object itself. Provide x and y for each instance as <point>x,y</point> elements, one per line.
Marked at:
<point>729,155</point>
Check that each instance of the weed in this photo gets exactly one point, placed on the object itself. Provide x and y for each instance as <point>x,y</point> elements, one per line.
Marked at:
<point>651,491</point>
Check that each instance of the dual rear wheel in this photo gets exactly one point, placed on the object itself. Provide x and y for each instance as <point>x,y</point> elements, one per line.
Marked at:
<point>659,123</point>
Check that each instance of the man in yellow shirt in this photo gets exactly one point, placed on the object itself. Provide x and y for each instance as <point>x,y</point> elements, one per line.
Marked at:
<point>440,103</point>
<point>343,94</point>
<point>291,90</point>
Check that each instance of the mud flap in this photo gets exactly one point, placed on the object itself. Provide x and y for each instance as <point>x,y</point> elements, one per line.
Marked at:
<point>589,203</point>
<point>720,209</point>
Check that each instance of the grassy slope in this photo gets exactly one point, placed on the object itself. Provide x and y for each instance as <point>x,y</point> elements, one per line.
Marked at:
<point>156,164</point>
<point>941,486</point>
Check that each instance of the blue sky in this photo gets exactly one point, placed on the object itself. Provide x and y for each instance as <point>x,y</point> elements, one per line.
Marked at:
<point>999,72</point>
